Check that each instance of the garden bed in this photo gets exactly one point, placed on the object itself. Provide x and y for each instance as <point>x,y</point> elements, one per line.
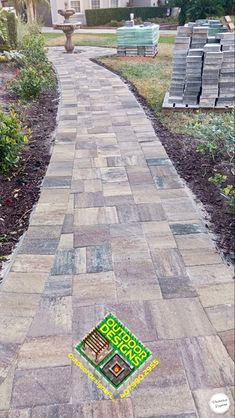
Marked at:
<point>19,188</point>
<point>194,167</point>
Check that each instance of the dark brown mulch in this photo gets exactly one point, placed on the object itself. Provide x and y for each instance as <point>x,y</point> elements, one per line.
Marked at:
<point>196,168</point>
<point>19,189</point>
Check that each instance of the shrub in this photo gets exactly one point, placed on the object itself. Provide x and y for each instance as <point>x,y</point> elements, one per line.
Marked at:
<point>36,73</point>
<point>8,30</point>
<point>3,27</point>
<point>217,134</point>
<point>97,17</point>
<point>12,29</point>
<point>28,84</point>
<point>12,138</point>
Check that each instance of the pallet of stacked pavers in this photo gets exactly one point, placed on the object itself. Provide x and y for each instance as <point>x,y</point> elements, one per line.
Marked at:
<point>227,73</point>
<point>181,47</point>
<point>210,77</point>
<point>193,80</point>
<point>199,37</point>
<point>139,40</point>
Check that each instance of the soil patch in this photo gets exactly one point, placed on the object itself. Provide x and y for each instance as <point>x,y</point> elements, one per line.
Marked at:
<point>20,188</point>
<point>195,169</point>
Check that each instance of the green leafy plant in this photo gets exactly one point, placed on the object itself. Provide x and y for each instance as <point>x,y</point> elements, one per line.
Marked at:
<point>36,73</point>
<point>12,137</point>
<point>96,17</point>
<point>3,27</point>
<point>28,84</point>
<point>227,190</point>
<point>216,132</point>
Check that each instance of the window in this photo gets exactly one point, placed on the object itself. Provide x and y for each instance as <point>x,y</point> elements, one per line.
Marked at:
<point>95,4</point>
<point>75,5</point>
<point>114,3</point>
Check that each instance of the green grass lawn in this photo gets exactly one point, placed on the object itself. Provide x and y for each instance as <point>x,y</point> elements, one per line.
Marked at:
<point>152,79</point>
<point>91,39</point>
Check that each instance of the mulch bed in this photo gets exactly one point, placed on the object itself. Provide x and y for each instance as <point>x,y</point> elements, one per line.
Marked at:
<point>196,168</point>
<point>19,189</point>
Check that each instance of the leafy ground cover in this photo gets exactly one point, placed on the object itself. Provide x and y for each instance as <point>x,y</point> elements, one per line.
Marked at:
<point>200,144</point>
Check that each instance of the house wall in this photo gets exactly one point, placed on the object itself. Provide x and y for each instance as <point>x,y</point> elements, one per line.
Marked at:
<point>84,4</point>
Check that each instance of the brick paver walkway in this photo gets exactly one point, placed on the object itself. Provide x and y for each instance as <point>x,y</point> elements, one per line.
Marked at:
<point>115,230</point>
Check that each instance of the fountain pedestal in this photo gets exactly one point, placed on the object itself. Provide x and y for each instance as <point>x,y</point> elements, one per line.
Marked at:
<point>68,29</point>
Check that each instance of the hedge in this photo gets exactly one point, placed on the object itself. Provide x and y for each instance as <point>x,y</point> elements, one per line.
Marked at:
<point>97,17</point>
<point>11,26</point>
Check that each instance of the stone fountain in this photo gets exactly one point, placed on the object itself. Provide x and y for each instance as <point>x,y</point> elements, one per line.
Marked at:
<point>67,27</point>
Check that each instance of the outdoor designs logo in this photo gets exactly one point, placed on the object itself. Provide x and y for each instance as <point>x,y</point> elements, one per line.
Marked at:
<point>113,351</point>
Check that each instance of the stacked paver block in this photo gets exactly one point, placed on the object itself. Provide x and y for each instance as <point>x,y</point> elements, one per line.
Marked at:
<point>139,40</point>
<point>203,76</point>
<point>199,37</point>
<point>181,47</point>
<point>193,80</point>
<point>210,77</point>
<point>227,72</point>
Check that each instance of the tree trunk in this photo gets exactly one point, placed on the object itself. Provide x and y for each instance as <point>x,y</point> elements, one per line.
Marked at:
<point>30,11</point>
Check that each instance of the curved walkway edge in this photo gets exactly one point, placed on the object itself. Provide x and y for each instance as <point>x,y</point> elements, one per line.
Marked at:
<point>115,230</point>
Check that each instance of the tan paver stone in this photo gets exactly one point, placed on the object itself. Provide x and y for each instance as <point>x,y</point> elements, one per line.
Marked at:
<point>99,162</point>
<point>83,389</point>
<point>32,263</point>
<point>210,274</point>
<point>63,152</point>
<point>139,175</point>
<point>168,262</point>
<point>18,304</point>
<point>216,294</point>
<point>177,318</point>
<point>150,212</point>
<point>158,235</point>
<point>202,398</point>
<point>25,282</point>
<point>228,339</point>
<point>48,214</point>
<point>131,270</point>
<point>168,401</point>
<point>138,291</point>
<point>45,352</point>
<point>200,256</point>
<point>131,244</point>
<point>116,189</point>
<point>113,409</point>
<point>55,196</point>
<point>86,173</point>
<point>165,194</point>
<point>206,362</point>
<point>41,387</point>
<point>53,317</point>
<point>93,185</point>
<point>94,288</point>
<point>192,241</point>
<point>146,194</point>
<point>6,389</point>
<point>95,216</point>
<point>179,209</point>
<point>221,317</point>
<point>44,232</point>
<point>14,329</point>
<point>66,241</point>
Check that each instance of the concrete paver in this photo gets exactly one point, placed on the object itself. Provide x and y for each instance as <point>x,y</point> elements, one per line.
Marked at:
<point>115,230</point>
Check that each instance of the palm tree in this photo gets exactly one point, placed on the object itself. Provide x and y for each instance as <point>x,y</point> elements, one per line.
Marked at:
<point>30,6</point>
